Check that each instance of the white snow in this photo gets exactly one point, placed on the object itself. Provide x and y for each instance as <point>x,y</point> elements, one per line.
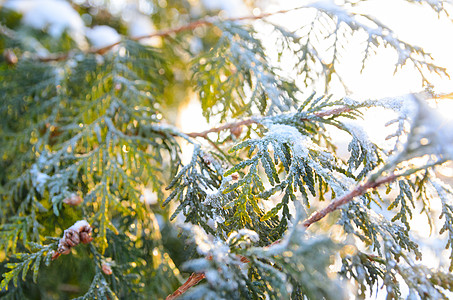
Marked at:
<point>290,135</point>
<point>360,133</point>
<point>405,105</point>
<point>77,227</point>
<point>149,197</point>
<point>55,16</point>
<point>140,25</point>
<point>211,195</point>
<point>52,15</point>
<point>196,45</point>
<point>436,131</point>
<point>208,245</point>
<point>330,6</point>
<point>41,178</point>
<point>102,36</point>
<point>38,179</point>
<point>431,133</point>
<point>350,101</point>
<point>244,232</point>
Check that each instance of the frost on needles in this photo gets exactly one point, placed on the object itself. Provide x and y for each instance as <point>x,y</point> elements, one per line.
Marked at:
<point>261,204</point>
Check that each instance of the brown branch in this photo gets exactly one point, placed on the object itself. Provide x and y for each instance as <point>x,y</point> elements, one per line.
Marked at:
<point>247,122</point>
<point>357,191</point>
<point>332,112</point>
<point>334,205</point>
<point>193,279</point>
<point>210,21</point>
<point>229,126</point>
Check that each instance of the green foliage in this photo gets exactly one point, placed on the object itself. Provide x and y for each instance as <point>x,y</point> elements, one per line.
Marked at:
<point>231,202</point>
<point>290,265</point>
<point>26,261</point>
<point>235,77</point>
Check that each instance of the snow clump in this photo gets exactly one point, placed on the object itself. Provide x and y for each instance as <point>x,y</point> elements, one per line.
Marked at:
<point>52,15</point>
<point>102,36</point>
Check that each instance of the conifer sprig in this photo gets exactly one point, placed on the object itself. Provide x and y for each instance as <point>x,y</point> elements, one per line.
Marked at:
<point>87,134</point>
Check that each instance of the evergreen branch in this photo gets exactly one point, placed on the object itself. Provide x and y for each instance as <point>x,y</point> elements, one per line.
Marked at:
<point>210,21</point>
<point>39,253</point>
<point>235,125</point>
<point>360,190</point>
<point>195,278</point>
<point>92,124</point>
<point>6,31</point>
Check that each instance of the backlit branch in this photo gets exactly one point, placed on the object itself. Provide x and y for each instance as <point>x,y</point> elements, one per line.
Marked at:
<point>358,191</point>
<point>210,21</point>
<point>234,125</point>
<point>195,278</point>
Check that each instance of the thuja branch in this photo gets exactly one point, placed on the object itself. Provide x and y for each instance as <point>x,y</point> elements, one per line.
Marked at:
<point>357,191</point>
<point>235,125</point>
<point>372,183</point>
<point>361,189</point>
<point>210,21</point>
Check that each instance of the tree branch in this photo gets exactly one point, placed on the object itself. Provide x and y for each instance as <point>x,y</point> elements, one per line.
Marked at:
<point>227,126</point>
<point>247,122</point>
<point>193,279</point>
<point>210,21</point>
<point>357,191</point>
<point>334,205</point>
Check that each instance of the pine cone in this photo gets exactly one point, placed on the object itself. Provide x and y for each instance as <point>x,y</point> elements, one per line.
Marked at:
<point>73,199</point>
<point>85,234</point>
<point>10,57</point>
<point>79,232</point>
<point>106,269</point>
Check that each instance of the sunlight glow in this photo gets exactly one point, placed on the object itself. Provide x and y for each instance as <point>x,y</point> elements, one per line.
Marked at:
<point>445,108</point>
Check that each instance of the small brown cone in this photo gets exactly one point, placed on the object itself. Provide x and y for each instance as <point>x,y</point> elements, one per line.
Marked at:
<point>106,269</point>
<point>73,200</point>
<point>10,57</point>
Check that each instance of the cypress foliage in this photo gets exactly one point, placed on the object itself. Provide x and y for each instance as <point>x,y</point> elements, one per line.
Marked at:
<point>247,209</point>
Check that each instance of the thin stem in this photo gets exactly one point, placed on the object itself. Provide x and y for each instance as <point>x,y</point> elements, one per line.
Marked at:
<point>357,191</point>
<point>247,122</point>
<point>193,279</point>
<point>210,21</point>
<point>227,126</point>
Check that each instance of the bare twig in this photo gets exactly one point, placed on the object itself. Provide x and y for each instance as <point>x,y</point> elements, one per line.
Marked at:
<point>210,21</point>
<point>247,122</point>
<point>357,191</point>
<point>193,279</point>
<point>228,126</point>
